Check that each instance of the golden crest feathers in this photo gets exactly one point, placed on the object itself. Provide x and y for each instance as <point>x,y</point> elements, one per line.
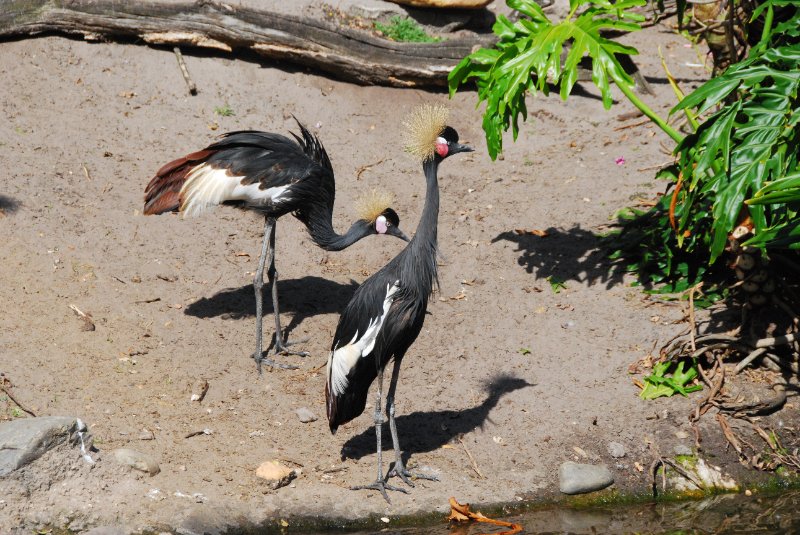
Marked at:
<point>373,203</point>
<point>423,126</point>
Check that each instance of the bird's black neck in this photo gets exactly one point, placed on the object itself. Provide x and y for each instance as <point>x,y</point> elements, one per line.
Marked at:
<point>422,258</point>
<point>320,228</point>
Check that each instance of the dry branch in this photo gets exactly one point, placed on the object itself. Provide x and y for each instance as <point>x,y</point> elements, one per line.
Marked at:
<point>343,52</point>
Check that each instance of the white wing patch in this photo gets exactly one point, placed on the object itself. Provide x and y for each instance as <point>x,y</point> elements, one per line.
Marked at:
<point>206,187</point>
<point>344,359</point>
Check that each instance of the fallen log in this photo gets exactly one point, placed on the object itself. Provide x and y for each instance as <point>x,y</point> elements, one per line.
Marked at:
<point>345,53</point>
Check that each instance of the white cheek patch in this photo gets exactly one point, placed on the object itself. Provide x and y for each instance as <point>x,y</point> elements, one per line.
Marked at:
<point>344,359</point>
<point>380,225</point>
<point>441,147</point>
<point>206,187</point>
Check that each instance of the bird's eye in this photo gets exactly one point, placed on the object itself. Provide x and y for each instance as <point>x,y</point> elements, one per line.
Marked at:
<point>380,225</point>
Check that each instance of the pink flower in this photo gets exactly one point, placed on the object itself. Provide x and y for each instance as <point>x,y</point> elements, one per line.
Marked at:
<point>620,160</point>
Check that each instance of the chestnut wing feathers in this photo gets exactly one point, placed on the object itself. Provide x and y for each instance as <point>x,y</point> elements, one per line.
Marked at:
<point>263,160</point>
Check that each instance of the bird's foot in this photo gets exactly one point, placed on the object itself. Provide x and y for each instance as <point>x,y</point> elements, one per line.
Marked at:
<point>399,470</point>
<point>282,348</point>
<point>382,486</point>
<point>264,360</point>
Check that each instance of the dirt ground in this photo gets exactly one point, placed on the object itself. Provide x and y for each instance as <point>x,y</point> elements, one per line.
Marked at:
<point>507,380</point>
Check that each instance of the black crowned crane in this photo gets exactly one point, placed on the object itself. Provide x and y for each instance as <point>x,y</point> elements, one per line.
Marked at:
<point>387,311</point>
<point>272,175</point>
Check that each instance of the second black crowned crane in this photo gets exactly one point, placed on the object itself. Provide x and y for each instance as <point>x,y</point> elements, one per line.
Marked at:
<point>272,175</point>
<point>387,311</point>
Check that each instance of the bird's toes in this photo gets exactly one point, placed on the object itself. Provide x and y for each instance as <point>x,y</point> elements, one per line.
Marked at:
<point>407,476</point>
<point>265,361</point>
<point>282,348</point>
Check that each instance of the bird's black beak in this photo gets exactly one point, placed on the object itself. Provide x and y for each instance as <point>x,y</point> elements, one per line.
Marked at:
<point>458,147</point>
<point>397,233</point>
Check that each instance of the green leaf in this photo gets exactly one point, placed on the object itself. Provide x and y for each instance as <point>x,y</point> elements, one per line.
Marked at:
<point>556,284</point>
<point>670,378</point>
<point>527,58</point>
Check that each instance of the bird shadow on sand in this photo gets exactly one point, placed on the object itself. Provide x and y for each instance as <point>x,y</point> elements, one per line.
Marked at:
<point>304,297</point>
<point>573,254</point>
<point>420,432</point>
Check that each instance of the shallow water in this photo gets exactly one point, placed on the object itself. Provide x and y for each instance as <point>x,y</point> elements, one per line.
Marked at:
<point>724,514</point>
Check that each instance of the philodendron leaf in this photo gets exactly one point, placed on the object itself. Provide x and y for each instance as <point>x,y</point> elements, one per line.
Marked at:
<point>528,57</point>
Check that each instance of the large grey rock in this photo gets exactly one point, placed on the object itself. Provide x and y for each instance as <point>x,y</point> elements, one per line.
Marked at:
<point>136,460</point>
<point>576,478</point>
<point>27,439</point>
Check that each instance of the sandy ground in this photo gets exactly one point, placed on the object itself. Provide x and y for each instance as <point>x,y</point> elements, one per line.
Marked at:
<point>506,370</point>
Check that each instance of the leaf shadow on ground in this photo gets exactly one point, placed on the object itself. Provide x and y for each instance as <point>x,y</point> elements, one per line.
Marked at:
<point>304,297</point>
<point>424,431</point>
<point>8,205</point>
<point>573,254</point>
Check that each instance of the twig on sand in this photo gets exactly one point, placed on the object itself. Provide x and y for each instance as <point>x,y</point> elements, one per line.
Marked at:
<point>7,392</point>
<point>197,433</point>
<point>88,324</point>
<point>364,168</point>
<point>729,436</point>
<point>471,458</point>
<point>632,125</point>
<point>657,166</point>
<point>185,72</point>
<point>692,323</point>
<point>664,462</point>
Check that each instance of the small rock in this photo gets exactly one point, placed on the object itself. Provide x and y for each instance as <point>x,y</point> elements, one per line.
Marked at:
<point>305,415</point>
<point>616,450</point>
<point>136,460</point>
<point>576,478</point>
<point>275,474</point>
<point>682,449</point>
<point>682,434</point>
<point>146,434</point>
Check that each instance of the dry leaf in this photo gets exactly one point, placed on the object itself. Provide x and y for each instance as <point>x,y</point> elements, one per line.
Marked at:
<point>461,295</point>
<point>461,513</point>
<point>535,232</point>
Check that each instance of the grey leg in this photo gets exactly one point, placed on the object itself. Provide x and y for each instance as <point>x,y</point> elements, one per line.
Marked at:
<point>399,468</point>
<point>380,483</point>
<point>272,273</point>
<point>267,250</point>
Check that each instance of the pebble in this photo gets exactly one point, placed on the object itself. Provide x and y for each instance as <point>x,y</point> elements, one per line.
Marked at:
<point>26,439</point>
<point>275,474</point>
<point>576,478</point>
<point>305,415</point>
<point>616,450</point>
<point>136,460</point>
